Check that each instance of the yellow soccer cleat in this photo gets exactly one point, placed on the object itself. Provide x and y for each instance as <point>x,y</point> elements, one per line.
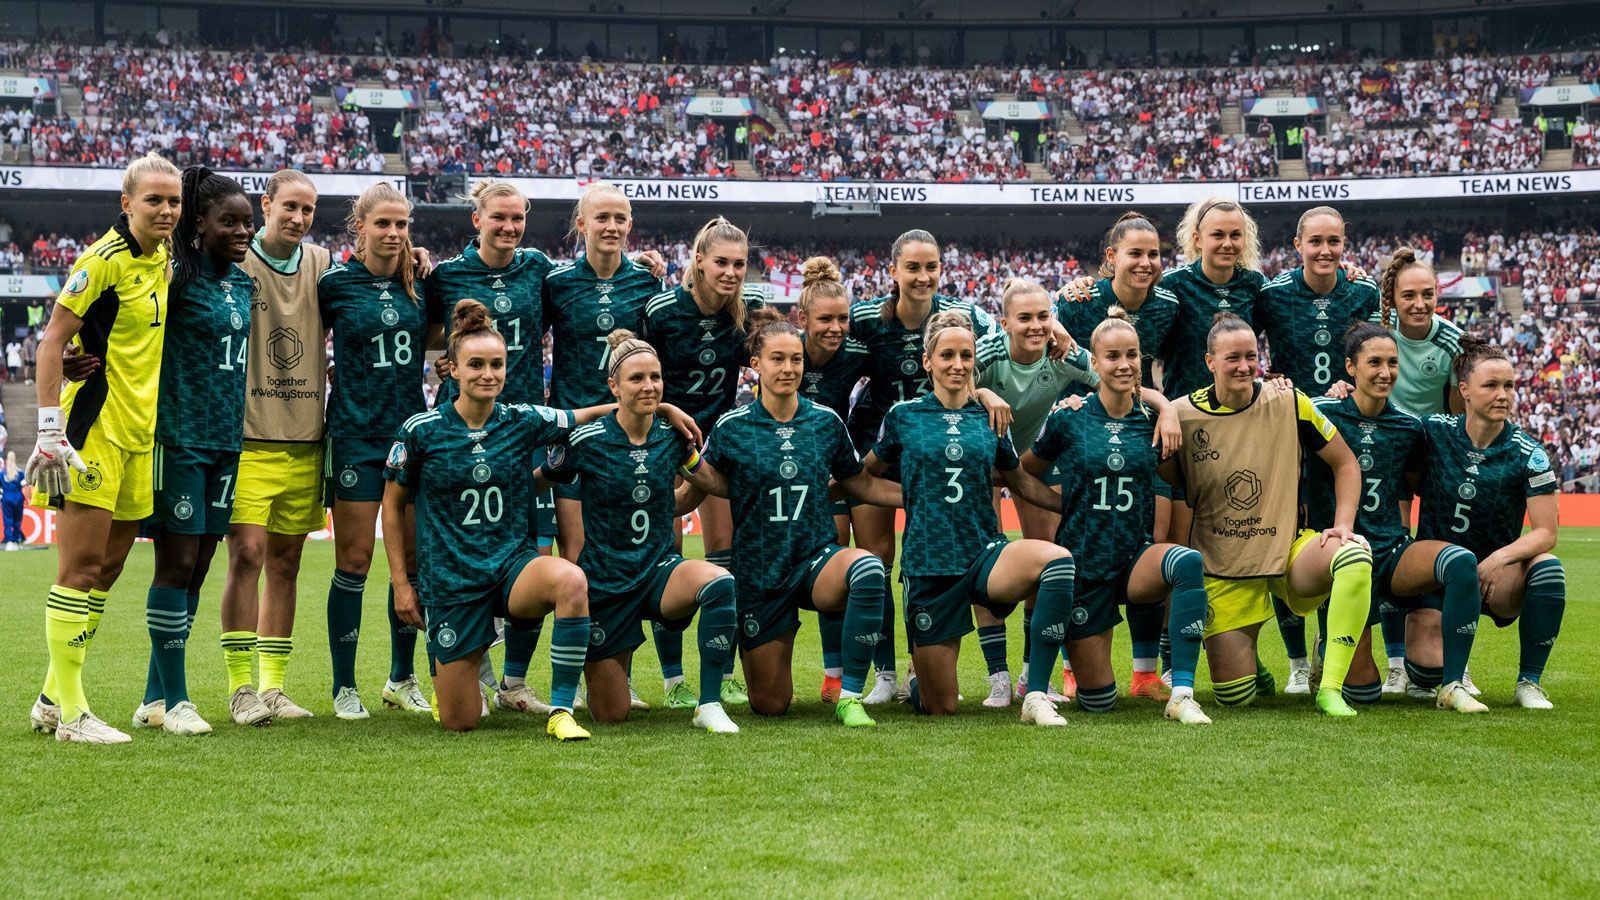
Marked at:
<point>563,727</point>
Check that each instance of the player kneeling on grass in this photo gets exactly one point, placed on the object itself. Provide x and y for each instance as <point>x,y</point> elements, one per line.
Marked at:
<point>625,465</point>
<point>1240,465</point>
<point>955,554</point>
<point>772,459</point>
<point>465,464</point>
<point>1483,475</point>
<point>1106,452</point>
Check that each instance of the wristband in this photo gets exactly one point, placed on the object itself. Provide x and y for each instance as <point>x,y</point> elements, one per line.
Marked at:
<point>49,418</point>
<point>692,464</point>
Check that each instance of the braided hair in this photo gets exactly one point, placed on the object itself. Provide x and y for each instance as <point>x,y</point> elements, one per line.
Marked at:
<point>202,188</point>
<point>1403,259</point>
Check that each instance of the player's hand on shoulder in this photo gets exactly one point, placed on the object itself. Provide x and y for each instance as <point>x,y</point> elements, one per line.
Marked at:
<point>1340,390</point>
<point>1169,434</point>
<point>422,260</point>
<point>999,410</point>
<point>653,260</point>
<point>1078,290</point>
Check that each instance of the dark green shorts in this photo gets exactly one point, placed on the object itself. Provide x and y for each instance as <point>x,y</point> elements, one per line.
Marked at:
<point>938,608</point>
<point>1160,486</point>
<point>1096,601</point>
<point>462,629</point>
<point>764,618</point>
<point>354,470</point>
<point>193,490</point>
<point>616,621</point>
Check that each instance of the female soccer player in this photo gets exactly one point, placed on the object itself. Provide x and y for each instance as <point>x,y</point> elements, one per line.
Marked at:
<point>773,459</point>
<point>835,362</point>
<point>1239,467</point>
<point>1105,452</point>
<point>96,436</point>
<point>584,301</point>
<point>1014,363</point>
<point>372,304</point>
<point>1390,448</point>
<point>955,554</point>
<point>199,426</point>
<point>629,462</point>
<point>1484,475</point>
<point>700,330</point>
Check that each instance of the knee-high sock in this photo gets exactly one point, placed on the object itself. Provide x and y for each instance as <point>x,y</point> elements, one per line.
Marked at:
<point>519,646</point>
<point>344,625</point>
<point>1166,644</point>
<point>273,654</point>
<point>1027,645</point>
<point>669,649</point>
<point>1144,631</point>
<point>723,558</point>
<point>66,626</point>
<point>868,596</point>
<point>1543,603</point>
<point>569,645</point>
<point>831,629</point>
<point>1292,627</point>
<point>166,616</point>
<point>716,634</point>
<point>1184,569</point>
<point>238,655</point>
<point>97,610</point>
<point>1050,620</point>
<point>402,644</point>
<point>152,676</point>
<point>883,653</point>
<point>992,641</point>
<point>1392,621</point>
<point>1349,603</point>
<point>1238,692</point>
<point>1457,569</point>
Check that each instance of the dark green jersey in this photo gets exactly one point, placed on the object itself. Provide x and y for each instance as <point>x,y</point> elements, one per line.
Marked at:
<point>1478,498</point>
<point>896,373</point>
<point>1108,503</point>
<point>1183,356</point>
<point>947,459</point>
<point>778,477</point>
<point>701,353</point>
<point>377,351</point>
<point>1305,330</point>
<point>203,362</point>
<point>470,487</point>
<point>628,506</point>
<point>581,308</point>
<point>1152,320</point>
<point>1387,446</point>
<point>515,297</point>
<point>830,383</point>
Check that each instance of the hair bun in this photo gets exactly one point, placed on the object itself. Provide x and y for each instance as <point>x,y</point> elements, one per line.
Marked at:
<point>618,337</point>
<point>469,315</point>
<point>818,269</point>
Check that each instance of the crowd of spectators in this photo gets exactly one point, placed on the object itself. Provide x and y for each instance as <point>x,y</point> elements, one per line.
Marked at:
<point>1447,147</point>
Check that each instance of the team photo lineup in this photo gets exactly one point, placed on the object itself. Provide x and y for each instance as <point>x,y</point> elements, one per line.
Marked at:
<point>1161,475</point>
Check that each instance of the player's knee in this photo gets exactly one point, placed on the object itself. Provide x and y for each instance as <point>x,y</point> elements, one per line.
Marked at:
<point>356,560</point>
<point>715,595</point>
<point>769,703</point>
<point>1237,692</point>
<point>1097,700</point>
<point>1352,559</point>
<point>1456,565</point>
<point>570,590</point>
<point>462,720</point>
<point>1363,693</point>
<point>1184,566</point>
<point>1425,677</point>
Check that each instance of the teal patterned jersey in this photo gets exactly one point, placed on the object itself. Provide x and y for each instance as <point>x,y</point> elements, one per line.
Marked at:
<point>1183,357</point>
<point>580,309</point>
<point>830,383</point>
<point>201,402</point>
<point>515,297</point>
<point>778,476</point>
<point>1305,329</point>
<point>947,459</point>
<point>1030,388</point>
<point>1478,498</point>
<point>1152,320</point>
<point>1108,503</point>
<point>1387,446</point>
<point>628,505</point>
<point>701,353</point>
<point>377,351</point>
<point>1425,367</point>
<point>470,487</point>
<point>896,372</point>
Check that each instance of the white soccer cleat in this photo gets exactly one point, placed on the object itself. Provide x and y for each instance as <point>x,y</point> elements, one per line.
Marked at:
<point>282,707</point>
<point>520,699</point>
<point>713,718</point>
<point>1299,679</point>
<point>1530,695</point>
<point>1454,696</point>
<point>884,690</point>
<point>1397,682</point>
<point>184,720</point>
<point>1038,710</point>
<point>1466,681</point>
<point>1183,709</point>
<point>150,715</point>
<point>86,729</point>
<point>580,700</point>
<point>1053,695</point>
<point>903,692</point>
<point>999,691</point>
<point>247,707</point>
<point>44,717</point>
<point>1418,692</point>
<point>406,696</point>
<point>347,705</point>
<point>635,702</point>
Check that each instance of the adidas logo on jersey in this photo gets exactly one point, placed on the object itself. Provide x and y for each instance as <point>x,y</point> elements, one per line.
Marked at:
<point>1473,469</point>
<point>385,296</point>
<point>786,446</point>
<point>640,470</point>
<point>498,282</point>
<point>478,448</point>
<point>952,430</point>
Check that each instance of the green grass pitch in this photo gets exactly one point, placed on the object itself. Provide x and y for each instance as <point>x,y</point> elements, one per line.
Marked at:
<point>1271,800</point>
